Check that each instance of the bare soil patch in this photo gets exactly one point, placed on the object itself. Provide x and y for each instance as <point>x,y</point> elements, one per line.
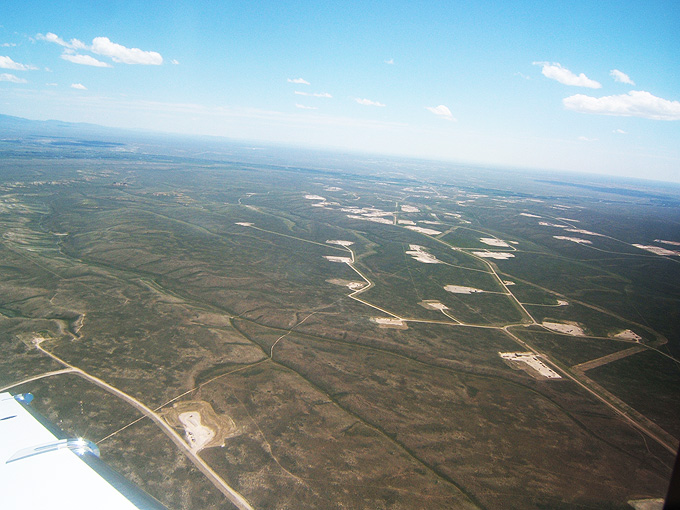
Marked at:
<point>460,289</point>
<point>385,322</point>
<point>203,427</point>
<point>492,241</point>
<point>570,328</point>
<point>342,260</point>
<point>353,285</point>
<point>530,363</point>
<point>498,255</point>
<point>628,335</point>
<point>432,304</point>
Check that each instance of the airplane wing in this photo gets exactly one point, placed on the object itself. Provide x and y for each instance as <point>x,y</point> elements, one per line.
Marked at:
<point>40,468</point>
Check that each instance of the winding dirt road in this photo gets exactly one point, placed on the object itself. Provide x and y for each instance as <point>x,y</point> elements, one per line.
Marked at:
<point>231,494</point>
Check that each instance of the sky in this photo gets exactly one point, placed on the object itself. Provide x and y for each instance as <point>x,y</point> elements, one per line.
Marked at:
<point>580,85</point>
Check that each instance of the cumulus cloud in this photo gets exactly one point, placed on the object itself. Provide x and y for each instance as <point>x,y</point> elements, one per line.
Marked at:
<point>368,102</point>
<point>299,81</point>
<point>442,111</point>
<point>306,107</point>
<point>74,44</point>
<point>621,77</point>
<point>637,103</point>
<point>85,60</point>
<point>53,38</point>
<point>313,94</point>
<point>78,86</point>
<point>104,46</point>
<point>11,78</point>
<point>558,73</point>
<point>8,63</point>
<point>119,53</point>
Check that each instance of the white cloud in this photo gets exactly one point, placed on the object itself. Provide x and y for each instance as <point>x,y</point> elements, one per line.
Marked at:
<point>74,44</point>
<point>637,103</point>
<point>8,63</point>
<point>104,46</point>
<point>558,73</point>
<point>11,78</point>
<point>620,132</point>
<point>53,38</point>
<point>306,107</point>
<point>86,60</point>
<point>78,45</point>
<point>78,86</point>
<point>299,81</point>
<point>51,84</point>
<point>441,111</point>
<point>8,45</point>
<point>174,61</point>
<point>621,77</point>
<point>522,75</point>
<point>368,102</point>
<point>119,53</point>
<point>313,94</point>
<point>390,61</point>
<point>586,139</point>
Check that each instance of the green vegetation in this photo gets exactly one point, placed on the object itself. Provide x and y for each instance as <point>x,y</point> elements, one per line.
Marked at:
<point>570,350</point>
<point>179,279</point>
<point>637,377</point>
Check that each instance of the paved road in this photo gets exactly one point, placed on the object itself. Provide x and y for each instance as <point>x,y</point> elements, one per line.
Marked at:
<point>36,377</point>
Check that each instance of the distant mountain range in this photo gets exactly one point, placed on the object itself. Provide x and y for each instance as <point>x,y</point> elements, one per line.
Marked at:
<point>18,132</point>
<point>20,126</point>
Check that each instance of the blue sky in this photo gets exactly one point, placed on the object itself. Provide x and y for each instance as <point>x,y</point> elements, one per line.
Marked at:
<point>583,86</point>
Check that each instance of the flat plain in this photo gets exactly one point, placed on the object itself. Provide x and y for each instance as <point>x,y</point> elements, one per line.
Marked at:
<point>334,325</point>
